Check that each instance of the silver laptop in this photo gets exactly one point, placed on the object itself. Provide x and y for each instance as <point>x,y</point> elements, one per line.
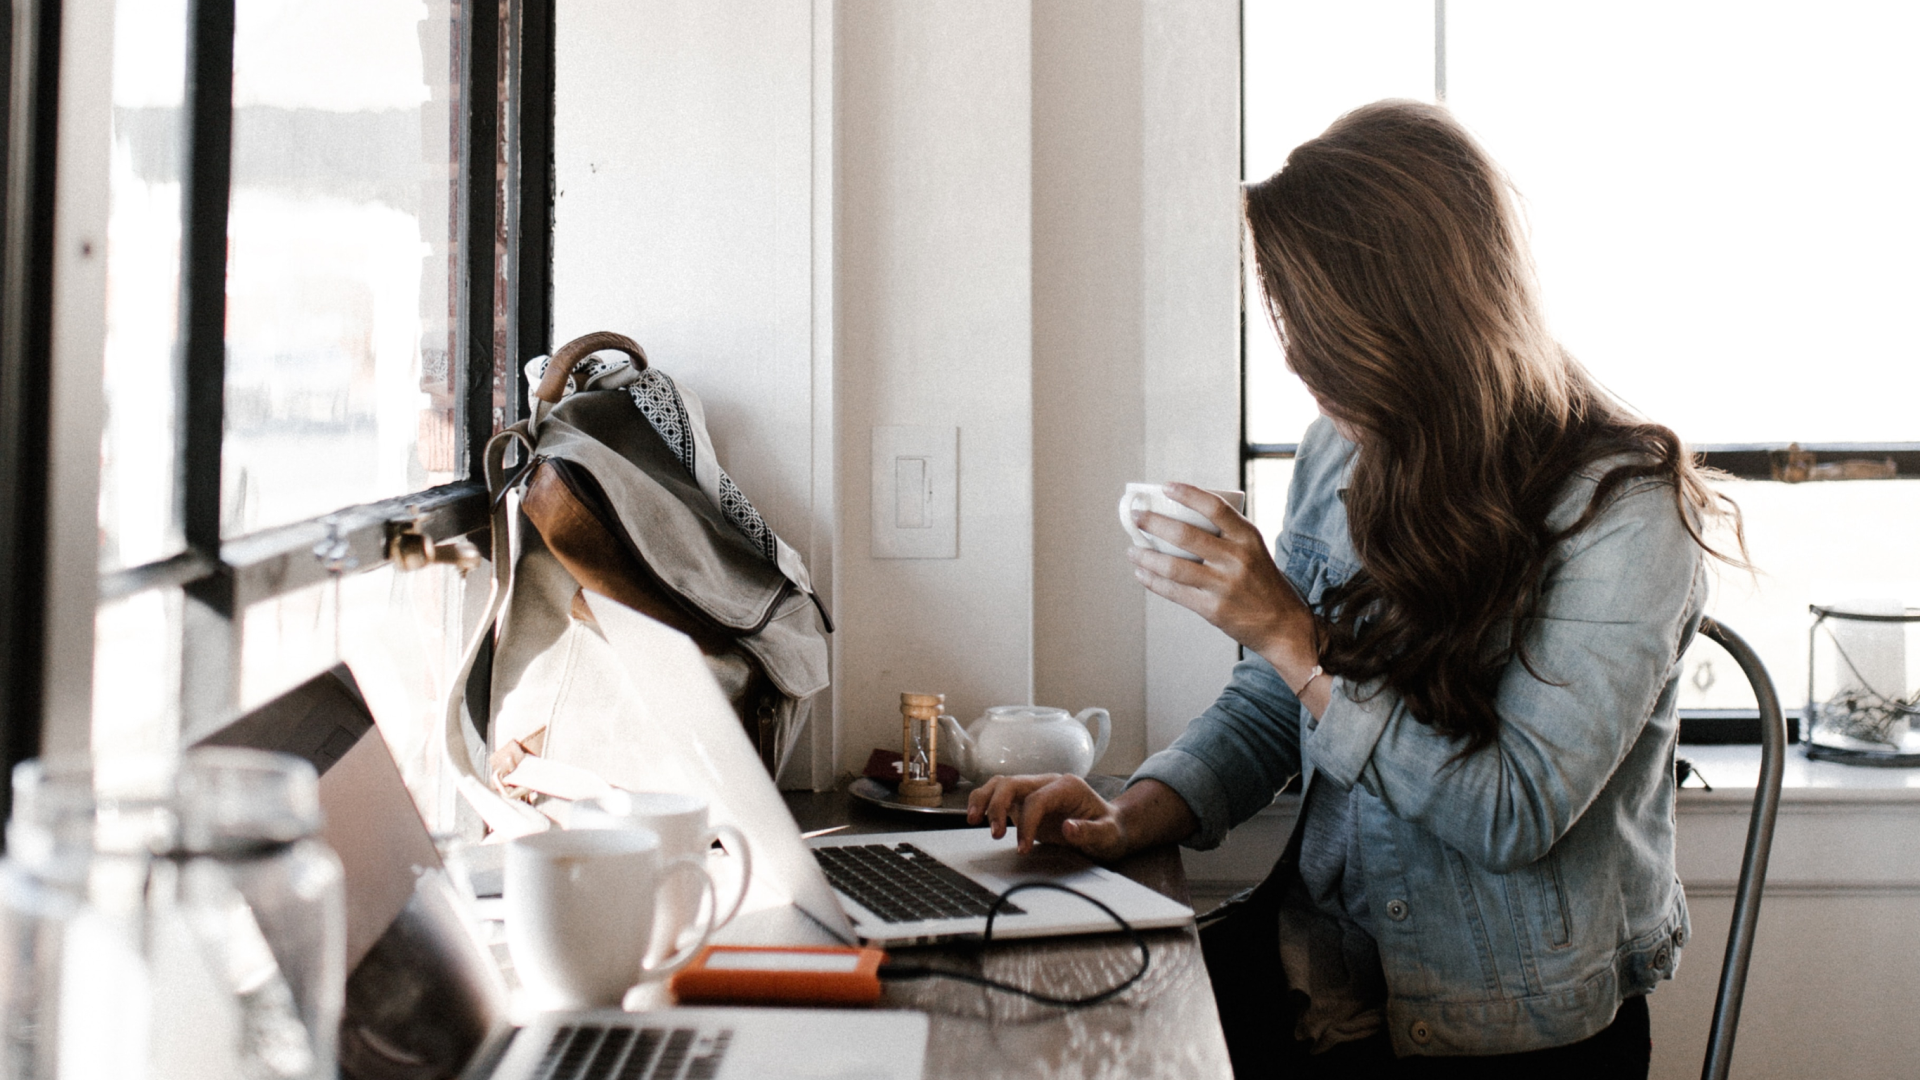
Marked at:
<point>885,889</point>
<point>425,997</point>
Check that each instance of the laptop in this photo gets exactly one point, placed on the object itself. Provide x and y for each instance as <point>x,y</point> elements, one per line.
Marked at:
<point>426,998</point>
<point>889,889</point>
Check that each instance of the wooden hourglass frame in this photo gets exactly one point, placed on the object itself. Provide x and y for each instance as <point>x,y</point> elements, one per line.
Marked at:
<point>920,757</point>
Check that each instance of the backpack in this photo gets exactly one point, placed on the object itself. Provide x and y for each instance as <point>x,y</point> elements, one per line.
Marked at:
<point>617,491</point>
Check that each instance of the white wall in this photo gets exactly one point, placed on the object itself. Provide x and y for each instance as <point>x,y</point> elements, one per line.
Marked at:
<point>1191,316</point>
<point>1836,955</point>
<point>935,314</point>
<point>685,217</point>
<point>1017,219</point>
<point>1089,407</point>
<point>1136,340</point>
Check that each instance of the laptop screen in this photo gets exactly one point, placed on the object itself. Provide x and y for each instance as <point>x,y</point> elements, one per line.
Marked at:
<point>679,734</point>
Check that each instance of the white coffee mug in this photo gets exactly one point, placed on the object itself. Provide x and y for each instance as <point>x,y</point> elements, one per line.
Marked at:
<point>1154,497</point>
<point>681,823</point>
<point>580,913</point>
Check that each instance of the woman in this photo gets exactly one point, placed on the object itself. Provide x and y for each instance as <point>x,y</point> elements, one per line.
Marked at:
<point>1470,645</point>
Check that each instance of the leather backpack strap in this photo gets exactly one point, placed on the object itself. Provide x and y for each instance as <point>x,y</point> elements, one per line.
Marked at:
<point>501,814</point>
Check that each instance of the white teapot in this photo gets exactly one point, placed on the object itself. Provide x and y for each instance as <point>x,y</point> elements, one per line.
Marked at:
<point>1015,739</point>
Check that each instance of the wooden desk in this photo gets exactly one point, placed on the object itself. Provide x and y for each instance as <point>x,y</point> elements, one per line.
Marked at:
<point>1165,1026</point>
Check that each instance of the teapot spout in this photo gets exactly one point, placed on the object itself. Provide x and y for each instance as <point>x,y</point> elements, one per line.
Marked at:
<point>956,746</point>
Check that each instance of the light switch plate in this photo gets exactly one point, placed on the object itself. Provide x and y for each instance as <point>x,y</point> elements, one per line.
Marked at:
<point>916,492</point>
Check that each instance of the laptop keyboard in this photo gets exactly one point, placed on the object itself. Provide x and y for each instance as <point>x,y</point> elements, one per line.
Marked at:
<point>591,1052</point>
<point>904,884</point>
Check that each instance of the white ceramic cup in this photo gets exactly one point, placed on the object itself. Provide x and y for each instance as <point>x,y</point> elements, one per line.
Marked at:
<point>1154,497</point>
<point>580,913</point>
<point>681,823</point>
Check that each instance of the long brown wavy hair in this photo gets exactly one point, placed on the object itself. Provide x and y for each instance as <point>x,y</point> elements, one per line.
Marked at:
<point>1394,272</point>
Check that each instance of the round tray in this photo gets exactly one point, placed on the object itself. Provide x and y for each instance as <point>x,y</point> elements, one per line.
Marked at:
<point>952,801</point>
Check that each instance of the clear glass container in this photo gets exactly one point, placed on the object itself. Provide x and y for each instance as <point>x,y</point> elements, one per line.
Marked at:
<point>36,908</point>
<point>73,986</point>
<point>1863,686</point>
<point>170,916</point>
<point>245,873</point>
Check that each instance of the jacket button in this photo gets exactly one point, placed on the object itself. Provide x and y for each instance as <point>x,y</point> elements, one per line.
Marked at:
<point>1679,937</point>
<point>1662,956</point>
<point>1420,1032</point>
<point>1397,910</point>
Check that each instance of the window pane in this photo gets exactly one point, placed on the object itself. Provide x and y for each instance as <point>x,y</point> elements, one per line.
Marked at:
<point>136,675</point>
<point>343,263</point>
<point>1819,543</point>
<point>1267,480</point>
<point>138,523</point>
<point>1306,62</point>
<point>402,635</point>
<point>1722,201</point>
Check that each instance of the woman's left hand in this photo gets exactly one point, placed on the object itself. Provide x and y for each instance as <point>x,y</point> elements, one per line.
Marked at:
<point>1236,586</point>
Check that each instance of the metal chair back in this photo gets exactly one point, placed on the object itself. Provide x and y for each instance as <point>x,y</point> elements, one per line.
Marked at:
<point>1753,865</point>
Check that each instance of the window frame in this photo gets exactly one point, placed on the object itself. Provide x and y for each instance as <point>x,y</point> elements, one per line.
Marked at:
<point>502,193</point>
<point>26,349</point>
<point>1742,461</point>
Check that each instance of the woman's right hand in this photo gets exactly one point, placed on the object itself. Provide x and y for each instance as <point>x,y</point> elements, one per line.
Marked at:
<point>1053,808</point>
<point>1058,809</point>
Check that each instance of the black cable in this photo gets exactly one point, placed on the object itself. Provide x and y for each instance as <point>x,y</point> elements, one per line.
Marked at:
<point>903,972</point>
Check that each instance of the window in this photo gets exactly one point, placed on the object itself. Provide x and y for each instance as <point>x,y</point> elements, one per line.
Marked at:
<point>1720,202</point>
<point>318,293</point>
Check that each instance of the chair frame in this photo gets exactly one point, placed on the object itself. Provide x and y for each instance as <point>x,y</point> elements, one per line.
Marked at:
<point>1753,865</point>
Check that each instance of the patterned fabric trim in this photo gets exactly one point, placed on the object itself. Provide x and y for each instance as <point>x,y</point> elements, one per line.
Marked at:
<point>659,401</point>
<point>733,503</point>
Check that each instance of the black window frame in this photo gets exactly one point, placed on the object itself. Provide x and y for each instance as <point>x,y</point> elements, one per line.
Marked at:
<point>1742,461</point>
<point>221,578</point>
<point>26,334</point>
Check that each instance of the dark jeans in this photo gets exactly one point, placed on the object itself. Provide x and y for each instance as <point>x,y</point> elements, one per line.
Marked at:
<point>1242,949</point>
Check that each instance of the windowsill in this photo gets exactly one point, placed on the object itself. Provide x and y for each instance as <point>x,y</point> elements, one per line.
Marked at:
<point>1843,830</point>
<point>1734,770</point>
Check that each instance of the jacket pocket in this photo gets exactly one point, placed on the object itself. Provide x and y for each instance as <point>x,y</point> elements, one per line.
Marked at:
<point>1311,567</point>
<point>1557,921</point>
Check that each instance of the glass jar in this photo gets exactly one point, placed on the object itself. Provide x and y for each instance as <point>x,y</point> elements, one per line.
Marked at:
<point>241,871</point>
<point>73,985</point>
<point>1863,687</point>
<point>170,917</point>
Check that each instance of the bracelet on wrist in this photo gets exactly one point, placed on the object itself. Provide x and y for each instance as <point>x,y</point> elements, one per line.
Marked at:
<point>1316,673</point>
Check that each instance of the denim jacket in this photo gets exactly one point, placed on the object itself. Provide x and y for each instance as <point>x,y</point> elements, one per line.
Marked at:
<point>1519,894</point>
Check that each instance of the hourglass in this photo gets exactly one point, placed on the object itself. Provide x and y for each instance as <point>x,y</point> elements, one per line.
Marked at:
<point>920,748</point>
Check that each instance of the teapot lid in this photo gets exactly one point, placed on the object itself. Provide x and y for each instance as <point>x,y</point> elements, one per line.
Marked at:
<point>1026,712</point>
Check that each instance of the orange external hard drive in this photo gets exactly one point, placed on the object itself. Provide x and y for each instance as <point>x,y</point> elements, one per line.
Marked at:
<point>797,975</point>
